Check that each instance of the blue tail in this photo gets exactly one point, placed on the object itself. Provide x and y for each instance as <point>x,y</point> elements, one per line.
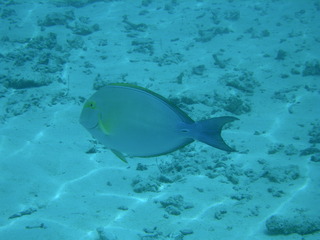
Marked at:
<point>209,132</point>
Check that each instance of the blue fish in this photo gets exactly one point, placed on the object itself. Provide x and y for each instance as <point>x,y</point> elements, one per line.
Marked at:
<point>134,121</point>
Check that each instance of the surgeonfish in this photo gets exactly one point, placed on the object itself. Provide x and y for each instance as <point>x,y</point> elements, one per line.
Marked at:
<point>136,122</point>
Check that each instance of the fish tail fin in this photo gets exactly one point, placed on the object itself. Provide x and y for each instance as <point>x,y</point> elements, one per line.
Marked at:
<point>209,132</point>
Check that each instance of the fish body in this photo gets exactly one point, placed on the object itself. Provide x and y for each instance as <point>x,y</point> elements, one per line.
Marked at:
<point>139,123</point>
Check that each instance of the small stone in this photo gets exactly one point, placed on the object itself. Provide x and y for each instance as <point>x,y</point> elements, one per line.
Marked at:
<point>291,150</point>
<point>315,158</point>
<point>275,148</point>
<point>173,210</point>
<point>284,75</point>
<point>123,208</point>
<point>141,167</point>
<point>165,179</point>
<point>220,214</point>
<point>150,230</point>
<point>309,151</point>
<point>281,55</point>
<point>198,70</point>
<point>233,15</point>
<point>294,71</point>
<point>265,33</point>
<point>312,68</point>
<point>186,231</point>
<point>104,235</point>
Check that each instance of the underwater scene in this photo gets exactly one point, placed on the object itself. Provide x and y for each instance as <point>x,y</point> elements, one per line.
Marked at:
<point>159,120</point>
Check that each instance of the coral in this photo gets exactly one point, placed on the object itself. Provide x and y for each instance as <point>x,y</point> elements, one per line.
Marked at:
<point>314,133</point>
<point>57,18</point>
<point>140,185</point>
<point>311,68</point>
<point>281,225</point>
<point>174,205</point>
<point>206,35</point>
<point>281,174</point>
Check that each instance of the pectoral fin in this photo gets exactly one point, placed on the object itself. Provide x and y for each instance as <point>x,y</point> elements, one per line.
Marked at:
<point>104,126</point>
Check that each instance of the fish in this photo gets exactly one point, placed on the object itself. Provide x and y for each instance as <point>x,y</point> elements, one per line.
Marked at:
<point>133,121</point>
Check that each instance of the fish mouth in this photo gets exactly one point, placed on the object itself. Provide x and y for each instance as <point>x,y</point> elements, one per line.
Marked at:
<point>89,126</point>
<point>95,126</point>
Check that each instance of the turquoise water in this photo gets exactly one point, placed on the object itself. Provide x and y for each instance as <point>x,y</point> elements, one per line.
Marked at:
<point>254,60</point>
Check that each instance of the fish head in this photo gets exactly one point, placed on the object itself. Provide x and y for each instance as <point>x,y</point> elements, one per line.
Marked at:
<point>89,117</point>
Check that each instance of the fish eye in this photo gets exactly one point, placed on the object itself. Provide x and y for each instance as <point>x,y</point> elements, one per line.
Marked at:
<point>90,104</point>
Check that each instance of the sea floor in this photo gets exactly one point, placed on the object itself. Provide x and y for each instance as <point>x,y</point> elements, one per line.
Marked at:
<point>255,60</point>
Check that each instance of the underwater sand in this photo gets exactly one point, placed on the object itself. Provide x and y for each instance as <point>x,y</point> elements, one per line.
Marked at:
<point>255,60</point>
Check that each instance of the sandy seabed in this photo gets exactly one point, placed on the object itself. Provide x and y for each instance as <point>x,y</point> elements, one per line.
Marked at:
<point>255,60</point>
